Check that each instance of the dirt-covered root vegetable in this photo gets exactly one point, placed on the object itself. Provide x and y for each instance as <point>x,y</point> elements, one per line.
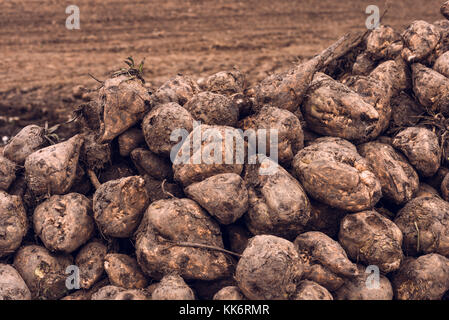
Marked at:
<point>441,65</point>
<point>421,147</point>
<point>423,278</point>
<point>164,125</point>
<point>444,9</point>
<point>158,190</point>
<point>7,173</point>
<point>52,170</point>
<point>208,151</point>
<point>224,196</point>
<point>278,204</point>
<point>28,140</point>
<point>172,287</point>
<point>309,290</point>
<point>363,65</point>
<point>41,271</point>
<point>149,163</point>
<point>395,74</point>
<point>324,218</point>
<point>424,223</point>
<point>269,269</point>
<point>179,89</point>
<point>176,235</point>
<point>108,292</point>
<point>229,293</point>
<point>431,88</point>
<point>287,90</point>
<point>331,108</point>
<point>226,82</point>
<point>12,286</point>
<point>131,294</point>
<point>119,206</point>
<point>420,39</point>
<point>332,172</point>
<point>213,109</point>
<point>130,140</point>
<point>124,102</point>
<point>13,223</point>
<point>325,261</point>
<point>368,285</point>
<point>123,271</point>
<point>406,111</point>
<point>93,154</point>
<point>90,261</point>
<point>380,40</point>
<point>372,239</point>
<point>64,223</point>
<point>283,123</point>
<point>397,177</point>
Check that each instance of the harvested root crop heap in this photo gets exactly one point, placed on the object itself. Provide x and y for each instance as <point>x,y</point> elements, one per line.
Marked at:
<point>348,199</point>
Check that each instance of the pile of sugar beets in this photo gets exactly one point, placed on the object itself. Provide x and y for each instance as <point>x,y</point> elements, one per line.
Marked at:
<point>362,184</point>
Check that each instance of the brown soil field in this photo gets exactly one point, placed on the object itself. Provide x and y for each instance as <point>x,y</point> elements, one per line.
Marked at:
<point>41,61</point>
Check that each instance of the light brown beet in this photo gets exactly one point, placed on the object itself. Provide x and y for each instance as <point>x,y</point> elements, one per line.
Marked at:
<point>213,109</point>
<point>224,196</point>
<point>53,169</point>
<point>161,123</point>
<point>325,261</point>
<point>108,292</point>
<point>226,82</point>
<point>7,173</point>
<point>397,177</point>
<point>172,287</point>
<point>169,222</point>
<point>119,206</point>
<point>149,163</point>
<point>332,172</point>
<point>290,137</point>
<point>229,293</point>
<point>331,108</point>
<point>309,290</point>
<point>124,102</point>
<point>424,224</point>
<point>431,88</point>
<point>420,39</point>
<point>421,148</point>
<point>130,140</point>
<point>178,89</point>
<point>13,223</point>
<point>372,239</point>
<point>12,286</point>
<point>424,278</point>
<point>221,151</point>
<point>64,223</point>
<point>363,65</point>
<point>380,40</point>
<point>123,271</point>
<point>441,65</point>
<point>364,287</point>
<point>41,271</point>
<point>269,269</point>
<point>27,141</point>
<point>90,261</point>
<point>278,204</point>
